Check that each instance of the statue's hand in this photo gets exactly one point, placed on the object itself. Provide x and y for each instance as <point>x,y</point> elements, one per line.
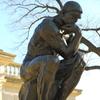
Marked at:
<point>72,28</point>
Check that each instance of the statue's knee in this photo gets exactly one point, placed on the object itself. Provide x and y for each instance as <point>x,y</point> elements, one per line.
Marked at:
<point>25,75</point>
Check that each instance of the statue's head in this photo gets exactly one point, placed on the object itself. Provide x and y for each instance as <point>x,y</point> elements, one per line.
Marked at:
<point>71,12</point>
<point>71,6</point>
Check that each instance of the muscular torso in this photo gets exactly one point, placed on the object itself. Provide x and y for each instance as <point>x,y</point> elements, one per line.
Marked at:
<point>38,46</point>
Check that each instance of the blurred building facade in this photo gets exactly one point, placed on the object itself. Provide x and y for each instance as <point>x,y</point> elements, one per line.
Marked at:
<point>10,81</point>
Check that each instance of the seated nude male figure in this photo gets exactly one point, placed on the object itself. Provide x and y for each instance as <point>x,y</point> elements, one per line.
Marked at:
<point>44,74</point>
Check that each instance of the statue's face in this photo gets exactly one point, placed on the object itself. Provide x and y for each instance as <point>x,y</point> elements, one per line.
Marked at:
<point>71,17</point>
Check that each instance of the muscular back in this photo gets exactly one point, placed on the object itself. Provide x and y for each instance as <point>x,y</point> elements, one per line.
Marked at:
<point>37,45</point>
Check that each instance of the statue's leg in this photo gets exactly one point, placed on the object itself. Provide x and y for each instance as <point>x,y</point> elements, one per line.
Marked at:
<point>70,79</point>
<point>70,83</point>
<point>42,68</point>
<point>29,71</point>
<point>46,85</point>
<point>64,71</point>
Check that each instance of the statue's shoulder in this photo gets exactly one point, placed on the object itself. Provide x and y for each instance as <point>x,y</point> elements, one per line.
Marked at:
<point>47,26</point>
<point>47,21</point>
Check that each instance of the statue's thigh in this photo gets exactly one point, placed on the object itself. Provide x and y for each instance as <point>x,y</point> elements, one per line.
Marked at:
<point>46,86</point>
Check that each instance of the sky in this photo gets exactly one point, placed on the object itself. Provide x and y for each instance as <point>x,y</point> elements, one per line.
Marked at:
<point>90,81</point>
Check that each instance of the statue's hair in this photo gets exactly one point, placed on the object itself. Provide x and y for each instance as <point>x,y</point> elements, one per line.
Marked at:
<point>71,6</point>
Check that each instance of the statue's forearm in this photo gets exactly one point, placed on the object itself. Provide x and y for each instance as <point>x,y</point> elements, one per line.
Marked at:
<point>75,43</point>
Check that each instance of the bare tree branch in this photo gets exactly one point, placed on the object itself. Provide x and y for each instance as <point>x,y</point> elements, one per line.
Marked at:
<point>40,12</point>
<point>60,3</point>
<point>47,7</point>
<point>98,33</point>
<point>92,29</point>
<point>26,14</point>
<point>34,23</point>
<point>84,51</point>
<point>35,6</point>
<point>23,41</point>
<point>92,68</point>
<point>92,48</point>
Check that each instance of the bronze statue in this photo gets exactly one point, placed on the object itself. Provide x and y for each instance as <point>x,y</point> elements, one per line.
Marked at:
<point>45,75</point>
